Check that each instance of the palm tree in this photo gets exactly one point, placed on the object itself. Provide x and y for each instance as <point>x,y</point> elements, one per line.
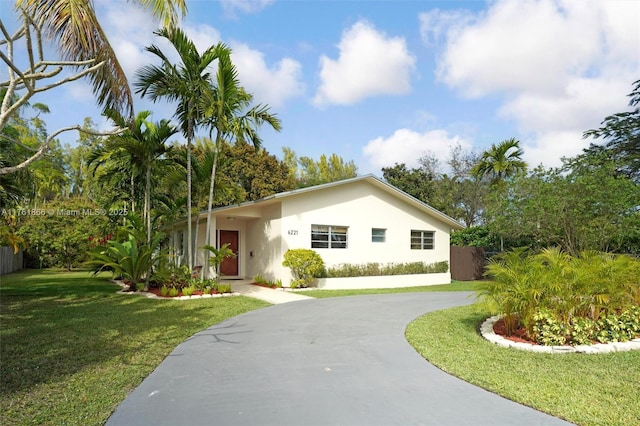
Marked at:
<point>145,143</point>
<point>229,116</point>
<point>185,83</point>
<point>501,161</point>
<point>74,26</point>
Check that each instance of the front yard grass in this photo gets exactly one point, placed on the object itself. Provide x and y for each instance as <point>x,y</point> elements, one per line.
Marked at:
<point>584,389</point>
<point>454,286</point>
<point>71,349</point>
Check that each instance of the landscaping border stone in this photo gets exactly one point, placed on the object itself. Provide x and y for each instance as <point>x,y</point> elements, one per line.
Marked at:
<point>486,330</point>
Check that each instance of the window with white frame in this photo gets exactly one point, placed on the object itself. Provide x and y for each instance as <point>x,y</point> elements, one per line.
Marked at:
<point>422,240</point>
<point>378,235</point>
<point>329,236</point>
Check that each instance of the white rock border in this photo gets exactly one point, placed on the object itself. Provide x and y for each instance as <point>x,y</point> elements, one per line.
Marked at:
<point>486,329</point>
<point>150,295</point>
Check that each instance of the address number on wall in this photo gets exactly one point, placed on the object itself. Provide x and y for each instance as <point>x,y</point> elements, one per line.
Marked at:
<point>292,232</point>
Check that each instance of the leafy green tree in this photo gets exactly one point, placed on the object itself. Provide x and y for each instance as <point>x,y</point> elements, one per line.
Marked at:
<point>188,83</point>
<point>61,233</point>
<point>577,207</point>
<point>310,172</point>
<point>621,132</point>
<point>417,182</point>
<point>257,173</point>
<point>82,179</point>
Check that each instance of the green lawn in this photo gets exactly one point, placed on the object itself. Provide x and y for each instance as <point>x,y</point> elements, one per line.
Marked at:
<point>584,389</point>
<point>454,286</point>
<point>71,349</point>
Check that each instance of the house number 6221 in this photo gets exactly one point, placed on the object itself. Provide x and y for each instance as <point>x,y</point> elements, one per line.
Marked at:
<point>293,232</point>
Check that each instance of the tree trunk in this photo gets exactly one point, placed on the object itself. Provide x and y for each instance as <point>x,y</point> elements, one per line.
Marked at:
<point>211,186</point>
<point>147,203</point>
<point>189,238</point>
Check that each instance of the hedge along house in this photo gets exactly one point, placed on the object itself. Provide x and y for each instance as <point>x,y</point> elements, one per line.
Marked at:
<point>353,221</point>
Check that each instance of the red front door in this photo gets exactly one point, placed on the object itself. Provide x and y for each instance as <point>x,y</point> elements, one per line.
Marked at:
<point>229,266</point>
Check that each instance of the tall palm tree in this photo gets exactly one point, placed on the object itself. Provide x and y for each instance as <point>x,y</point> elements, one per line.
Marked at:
<point>229,114</point>
<point>186,83</point>
<point>74,26</point>
<point>145,143</point>
<point>501,161</point>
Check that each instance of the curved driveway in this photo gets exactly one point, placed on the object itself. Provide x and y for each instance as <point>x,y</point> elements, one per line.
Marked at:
<point>316,362</point>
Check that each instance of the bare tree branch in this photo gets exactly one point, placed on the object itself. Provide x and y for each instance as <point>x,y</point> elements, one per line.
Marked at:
<point>47,144</point>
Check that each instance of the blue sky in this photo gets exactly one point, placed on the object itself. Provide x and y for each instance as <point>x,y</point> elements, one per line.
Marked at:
<point>384,82</point>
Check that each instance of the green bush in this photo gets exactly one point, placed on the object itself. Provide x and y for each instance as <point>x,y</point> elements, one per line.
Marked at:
<point>306,265</point>
<point>132,259</point>
<point>164,291</point>
<point>376,269</point>
<point>188,291</point>
<point>173,292</point>
<point>558,297</point>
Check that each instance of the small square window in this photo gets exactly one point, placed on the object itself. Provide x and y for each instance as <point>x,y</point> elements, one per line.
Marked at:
<point>378,235</point>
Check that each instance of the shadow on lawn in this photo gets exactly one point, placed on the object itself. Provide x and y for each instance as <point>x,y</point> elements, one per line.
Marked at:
<point>57,326</point>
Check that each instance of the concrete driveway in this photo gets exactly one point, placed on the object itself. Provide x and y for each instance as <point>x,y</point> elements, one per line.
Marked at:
<point>341,361</point>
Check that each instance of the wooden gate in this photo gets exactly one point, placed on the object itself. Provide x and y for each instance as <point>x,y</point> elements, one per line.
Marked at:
<point>467,263</point>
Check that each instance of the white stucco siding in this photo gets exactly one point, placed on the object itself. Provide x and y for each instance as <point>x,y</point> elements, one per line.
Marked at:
<point>264,241</point>
<point>361,207</point>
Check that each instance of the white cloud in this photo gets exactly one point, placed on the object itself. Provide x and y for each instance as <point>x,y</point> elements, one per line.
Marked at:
<point>272,85</point>
<point>370,63</point>
<point>560,65</point>
<point>246,6</point>
<point>408,146</point>
<point>549,147</point>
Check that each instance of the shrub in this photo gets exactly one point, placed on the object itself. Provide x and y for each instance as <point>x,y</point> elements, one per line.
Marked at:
<point>223,288</point>
<point>376,269</point>
<point>132,259</point>
<point>164,291</point>
<point>551,292</point>
<point>188,291</point>
<point>306,265</point>
<point>173,292</point>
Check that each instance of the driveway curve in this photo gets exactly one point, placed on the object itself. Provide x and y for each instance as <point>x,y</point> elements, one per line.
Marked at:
<point>317,362</point>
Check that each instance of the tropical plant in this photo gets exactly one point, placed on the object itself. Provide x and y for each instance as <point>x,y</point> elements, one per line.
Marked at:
<point>306,265</point>
<point>144,143</point>
<point>552,291</point>
<point>228,113</point>
<point>218,255</point>
<point>74,28</point>
<point>501,161</point>
<point>186,83</point>
<point>132,259</point>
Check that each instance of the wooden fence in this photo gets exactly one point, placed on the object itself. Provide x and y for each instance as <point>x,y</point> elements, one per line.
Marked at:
<point>467,263</point>
<point>10,261</point>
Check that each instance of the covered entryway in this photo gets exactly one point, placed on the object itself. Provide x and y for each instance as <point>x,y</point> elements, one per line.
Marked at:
<point>229,266</point>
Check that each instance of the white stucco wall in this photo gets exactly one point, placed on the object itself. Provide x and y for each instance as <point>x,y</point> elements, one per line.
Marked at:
<point>391,281</point>
<point>361,207</point>
<point>263,249</point>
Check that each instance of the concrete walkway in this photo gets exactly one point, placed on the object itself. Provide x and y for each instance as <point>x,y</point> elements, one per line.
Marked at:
<point>316,362</point>
<point>274,296</point>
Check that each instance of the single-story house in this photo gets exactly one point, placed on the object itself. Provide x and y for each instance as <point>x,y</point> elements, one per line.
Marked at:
<point>354,221</point>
